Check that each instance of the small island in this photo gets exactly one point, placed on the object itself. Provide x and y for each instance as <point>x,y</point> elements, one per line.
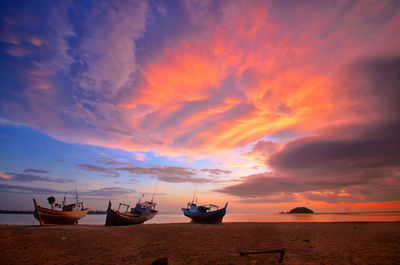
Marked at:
<point>301,210</point>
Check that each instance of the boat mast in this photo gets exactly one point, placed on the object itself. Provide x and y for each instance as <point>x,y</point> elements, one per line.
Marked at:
<point>152,198</point>
<point>194,194</point>
<point>77,203</point>
<point>76,196</point>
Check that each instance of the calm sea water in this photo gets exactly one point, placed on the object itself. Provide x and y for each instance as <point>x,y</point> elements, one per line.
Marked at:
<point>99,219</point>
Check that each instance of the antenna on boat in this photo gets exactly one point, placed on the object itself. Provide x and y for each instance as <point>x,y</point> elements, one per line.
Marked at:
<point>154,192</point>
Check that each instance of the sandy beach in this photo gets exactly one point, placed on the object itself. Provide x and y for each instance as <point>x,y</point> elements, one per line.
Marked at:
<point>304,243</point>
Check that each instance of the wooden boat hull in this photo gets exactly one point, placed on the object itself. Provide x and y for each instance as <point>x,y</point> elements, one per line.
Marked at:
<point>48,216</point>
<point>214,217</point>
<point>116,218</point>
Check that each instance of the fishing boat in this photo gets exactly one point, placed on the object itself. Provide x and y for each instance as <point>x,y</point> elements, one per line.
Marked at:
<point>142,212</point>
<point>209,213</point>
<point>60,213</point>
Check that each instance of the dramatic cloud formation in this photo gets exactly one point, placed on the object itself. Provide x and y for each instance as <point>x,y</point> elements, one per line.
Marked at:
<point>224,80</point>
<point>343,163</point>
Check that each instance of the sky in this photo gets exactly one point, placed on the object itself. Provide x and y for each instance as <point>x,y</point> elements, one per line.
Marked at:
<point>269,105</point>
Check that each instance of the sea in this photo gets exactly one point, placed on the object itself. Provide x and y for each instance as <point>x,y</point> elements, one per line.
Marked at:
<point>165,218</point>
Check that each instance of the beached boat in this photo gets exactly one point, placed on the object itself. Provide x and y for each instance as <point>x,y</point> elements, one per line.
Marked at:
<point>67,213</point>
<point>142,212</point>
<point>205,213</point>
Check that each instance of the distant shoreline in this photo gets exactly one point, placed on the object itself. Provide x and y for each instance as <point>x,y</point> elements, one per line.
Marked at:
<point>104,212</point>
<point>31,212</point>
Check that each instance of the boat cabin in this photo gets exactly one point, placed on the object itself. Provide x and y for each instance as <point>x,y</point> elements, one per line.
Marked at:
<point>73,207</point>
<point>192,207</point>
<point>76,206</point>
<point>140,208</point>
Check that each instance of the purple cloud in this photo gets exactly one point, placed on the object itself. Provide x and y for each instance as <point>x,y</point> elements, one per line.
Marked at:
<point>111,161</point>
<point>26,189</point>
<point>110,172</point>
<point>265,148</point>
<point>22,177</point>
<point>216,171</point>
<point>104,193</point>
<point>34,170</point>
<point>168,173</point>
<point>107,192</point>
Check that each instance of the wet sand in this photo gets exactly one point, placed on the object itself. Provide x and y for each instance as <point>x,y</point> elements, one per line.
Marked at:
<point>304,243</point>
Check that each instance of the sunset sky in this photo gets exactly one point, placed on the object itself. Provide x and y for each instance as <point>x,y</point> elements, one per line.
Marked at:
<point>266,104</point>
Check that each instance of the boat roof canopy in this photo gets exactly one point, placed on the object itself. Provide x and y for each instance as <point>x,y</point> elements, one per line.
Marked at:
<point>147,204</point>
<point>208,206</point>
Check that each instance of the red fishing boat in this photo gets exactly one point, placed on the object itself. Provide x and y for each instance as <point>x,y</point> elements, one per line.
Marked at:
<point>67,213</point>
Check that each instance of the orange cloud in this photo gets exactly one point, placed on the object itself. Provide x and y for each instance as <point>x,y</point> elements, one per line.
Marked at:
<point>179,76</point>
<point>4,176</point>
<point>36,41</point>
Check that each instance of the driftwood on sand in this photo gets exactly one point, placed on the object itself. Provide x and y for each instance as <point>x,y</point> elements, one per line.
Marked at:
<point>281,251</point>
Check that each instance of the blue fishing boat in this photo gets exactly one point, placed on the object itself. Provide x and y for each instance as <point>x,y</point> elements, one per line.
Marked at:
<point>209,213</point>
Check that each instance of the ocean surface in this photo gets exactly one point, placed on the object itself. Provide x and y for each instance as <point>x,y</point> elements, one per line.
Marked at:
<point>162,218</point>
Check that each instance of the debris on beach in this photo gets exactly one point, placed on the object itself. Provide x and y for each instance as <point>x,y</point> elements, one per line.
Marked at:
<point>281,251</point>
